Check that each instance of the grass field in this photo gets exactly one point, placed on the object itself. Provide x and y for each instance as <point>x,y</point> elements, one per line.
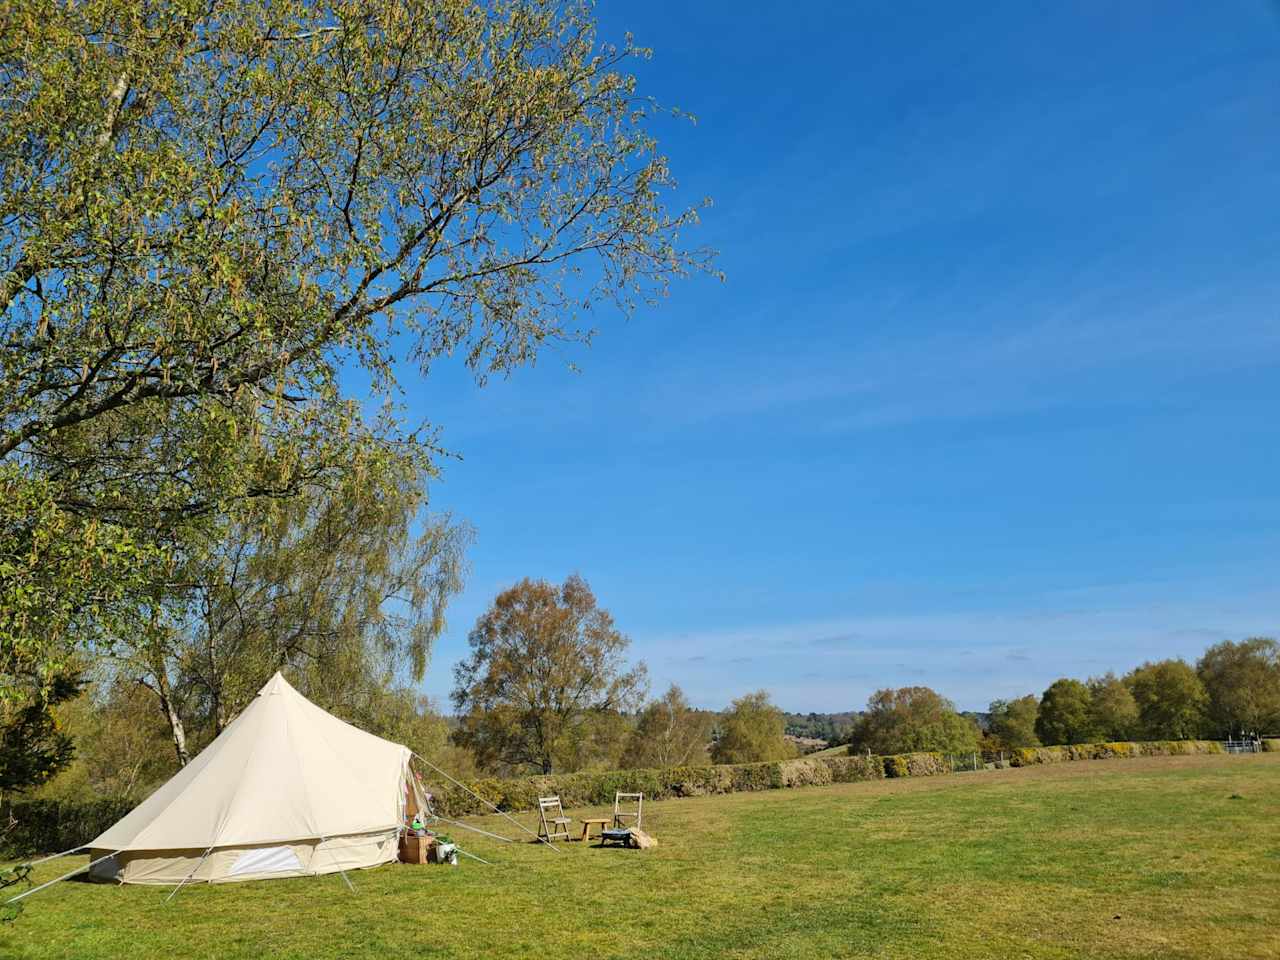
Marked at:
<point>840,750</point>
<point>1168,857</point>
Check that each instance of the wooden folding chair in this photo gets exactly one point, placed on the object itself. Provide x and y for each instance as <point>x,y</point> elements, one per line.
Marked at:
<point>555,824</point>
<point>627,818</point>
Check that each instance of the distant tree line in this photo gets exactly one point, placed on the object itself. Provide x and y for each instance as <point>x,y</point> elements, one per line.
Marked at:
<point>1233,690</point>
<point>547,687</point>
<point>831,727</point>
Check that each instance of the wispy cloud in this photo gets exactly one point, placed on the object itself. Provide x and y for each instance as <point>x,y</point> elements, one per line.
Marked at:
<point>971,656</point>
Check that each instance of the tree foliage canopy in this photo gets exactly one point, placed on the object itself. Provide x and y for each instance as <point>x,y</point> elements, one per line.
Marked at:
<point>547,665</point>
<point>1242,681</point>
<point>1066,713</point>
<point>1170,699</point>
<point>33,745</point>
<point>752,730</point>
<point>668,733</point>
<point>208,212</point>
<point>1013,722</point>
<point>910,719</point>
<point>338,588</point>
<point>1113,710</point>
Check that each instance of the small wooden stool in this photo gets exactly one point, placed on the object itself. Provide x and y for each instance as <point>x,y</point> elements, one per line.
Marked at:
<point>600,822</point>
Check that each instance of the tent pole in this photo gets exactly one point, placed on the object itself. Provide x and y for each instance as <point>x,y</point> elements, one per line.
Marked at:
<point>54,856</point>
<point>174,891</point>
<point>88,866</point>
<point>491,806</point>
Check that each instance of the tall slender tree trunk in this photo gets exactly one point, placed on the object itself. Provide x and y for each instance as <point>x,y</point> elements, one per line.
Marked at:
<point>176,728</point>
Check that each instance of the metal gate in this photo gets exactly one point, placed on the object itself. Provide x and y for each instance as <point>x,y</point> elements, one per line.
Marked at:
<point>1242,746</point>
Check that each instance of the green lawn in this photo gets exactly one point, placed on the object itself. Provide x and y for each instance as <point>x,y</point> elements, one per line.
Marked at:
<point>840,750</point>
<point>1123,858</point>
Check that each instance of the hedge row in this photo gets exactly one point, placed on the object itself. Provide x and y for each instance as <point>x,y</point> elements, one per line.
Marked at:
<point>1030,756</point>
<point>50,826</point>
<point>43,826</point>
<point>596,789</point>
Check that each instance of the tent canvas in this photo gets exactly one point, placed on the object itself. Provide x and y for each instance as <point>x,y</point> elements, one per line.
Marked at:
<point>285,790</point>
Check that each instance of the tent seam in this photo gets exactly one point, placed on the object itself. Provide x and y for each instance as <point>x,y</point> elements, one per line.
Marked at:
<point>235,795</point>
<point>174,799</point>
<point>297,765</point>
<point>329,745</point>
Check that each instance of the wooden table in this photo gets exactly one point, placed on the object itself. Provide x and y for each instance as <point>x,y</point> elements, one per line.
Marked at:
<point>600,822</point>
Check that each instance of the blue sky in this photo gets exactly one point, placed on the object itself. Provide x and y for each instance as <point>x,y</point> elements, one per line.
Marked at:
<point>988,395</point>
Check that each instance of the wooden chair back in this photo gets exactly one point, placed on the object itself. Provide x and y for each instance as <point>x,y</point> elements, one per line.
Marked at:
<point>627,817</point>
<point>553,823</point>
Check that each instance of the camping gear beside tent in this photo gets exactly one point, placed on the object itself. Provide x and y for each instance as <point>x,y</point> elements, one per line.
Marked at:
<point>415,849</point>
<point>285,790</point>
<point>623,817</point>
<point>445,853</point>
<point>639,840</point>
<point>618,835</point>
<point>632,837</point>
<point>553,823</point>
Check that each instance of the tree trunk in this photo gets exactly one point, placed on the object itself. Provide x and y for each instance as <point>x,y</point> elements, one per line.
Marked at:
<point>176,729</point>
<point>179,732</point>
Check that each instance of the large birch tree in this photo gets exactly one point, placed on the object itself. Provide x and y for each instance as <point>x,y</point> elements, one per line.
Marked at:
<point>213,215</point>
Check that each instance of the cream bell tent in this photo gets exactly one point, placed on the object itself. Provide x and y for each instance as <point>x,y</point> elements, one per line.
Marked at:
<point>285,790</point>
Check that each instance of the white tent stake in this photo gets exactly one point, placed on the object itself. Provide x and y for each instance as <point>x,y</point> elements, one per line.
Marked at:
<point>88,866</point>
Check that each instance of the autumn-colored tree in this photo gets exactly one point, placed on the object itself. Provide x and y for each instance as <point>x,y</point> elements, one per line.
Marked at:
<point>546,665</point>
<point>207,212</point>
<point>911,719</point>
<point>1170,698</point>
<point>1242,681</point>
<point>1113,710</point>
<point>669,733</point>
<point>1013,722</point>
<point>1066,713</point>
<point>752,730</point>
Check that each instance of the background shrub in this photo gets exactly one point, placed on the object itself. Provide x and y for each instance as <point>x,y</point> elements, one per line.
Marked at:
<point>50,826</point>
<point>916,765</point>
<point>1029,756</point>
<point>46,826</point>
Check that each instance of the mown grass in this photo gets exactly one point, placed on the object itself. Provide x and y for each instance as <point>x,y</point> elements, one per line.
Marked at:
<point>840,750</point>
<point>1104,859</point>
